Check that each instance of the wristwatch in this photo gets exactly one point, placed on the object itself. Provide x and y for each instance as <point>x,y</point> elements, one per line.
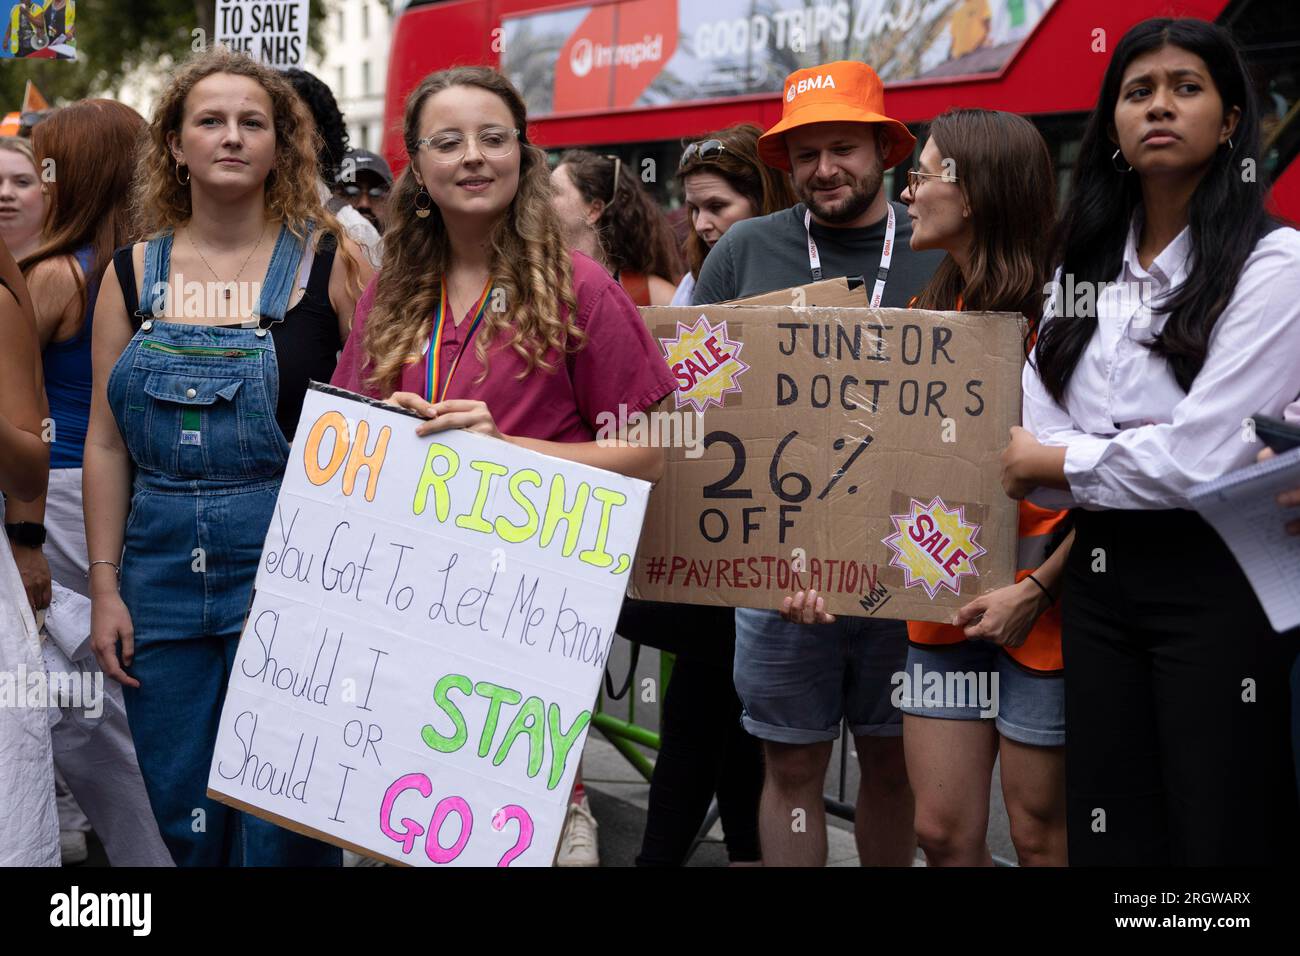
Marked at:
<point>28,534</point>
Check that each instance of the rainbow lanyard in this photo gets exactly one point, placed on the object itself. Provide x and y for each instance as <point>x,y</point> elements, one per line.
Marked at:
<point>433,370</point>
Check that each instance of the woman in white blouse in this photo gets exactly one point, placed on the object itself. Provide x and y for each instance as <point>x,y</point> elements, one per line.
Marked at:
<point>1175,318</point>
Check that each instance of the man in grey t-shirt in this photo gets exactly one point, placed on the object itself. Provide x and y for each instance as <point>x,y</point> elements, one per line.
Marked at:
<point>798,682</point>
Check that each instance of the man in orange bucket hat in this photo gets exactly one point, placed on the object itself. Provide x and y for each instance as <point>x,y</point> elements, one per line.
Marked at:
<point>800,681</point>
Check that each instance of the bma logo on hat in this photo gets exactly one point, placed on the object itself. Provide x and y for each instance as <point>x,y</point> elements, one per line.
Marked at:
<point>820,82</point>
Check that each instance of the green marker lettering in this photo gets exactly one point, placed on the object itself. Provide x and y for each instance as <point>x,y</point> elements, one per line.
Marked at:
<point>431,736</point>
<point>474,521</point>
<point>496,695</point>
<point>555,513</point>
<point>530,720</point>
<point>562,742</point>
<point>609,500</point>
<point>518,533</point>
<point>437,480</point>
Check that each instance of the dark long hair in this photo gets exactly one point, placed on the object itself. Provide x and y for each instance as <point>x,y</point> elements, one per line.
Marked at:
<point>768,189</point>
<point>1226,214</point>
<point>1005,175</point>
<point>633,231</point>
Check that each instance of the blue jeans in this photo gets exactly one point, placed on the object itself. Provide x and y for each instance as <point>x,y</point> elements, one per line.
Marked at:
<point>196,408</point>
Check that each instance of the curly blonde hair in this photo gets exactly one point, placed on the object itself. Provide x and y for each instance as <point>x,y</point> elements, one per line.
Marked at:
<point>161,203</point>
<point>528,260</point>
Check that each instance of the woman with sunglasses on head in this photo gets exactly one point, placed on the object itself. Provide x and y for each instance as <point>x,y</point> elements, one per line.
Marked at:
<point>604,210</point>
<point>471,224</point>
<point>198,396</point>
<point>704,751</point>
<point>1176,686</point>
<point>725,182</point>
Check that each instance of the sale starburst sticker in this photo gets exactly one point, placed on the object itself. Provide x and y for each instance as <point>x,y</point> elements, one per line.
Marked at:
<point>706,363</point>
<point>934,546</point>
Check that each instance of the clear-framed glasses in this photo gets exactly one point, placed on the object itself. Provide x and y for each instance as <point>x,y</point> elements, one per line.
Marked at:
<point>706,150</point>
<point>915,177</point>
<point>494,142</point>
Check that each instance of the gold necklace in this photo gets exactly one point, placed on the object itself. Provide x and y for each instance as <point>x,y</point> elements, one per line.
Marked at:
<point>195,245</point>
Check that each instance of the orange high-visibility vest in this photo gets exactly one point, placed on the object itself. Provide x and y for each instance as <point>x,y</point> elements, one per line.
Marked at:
<point>1042,648</point>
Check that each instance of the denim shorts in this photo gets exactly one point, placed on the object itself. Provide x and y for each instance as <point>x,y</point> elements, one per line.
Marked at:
<point>798,682</point>
<point>981,682</point>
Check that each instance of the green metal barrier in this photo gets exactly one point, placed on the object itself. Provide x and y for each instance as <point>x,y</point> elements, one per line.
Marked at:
<point>626,734</point>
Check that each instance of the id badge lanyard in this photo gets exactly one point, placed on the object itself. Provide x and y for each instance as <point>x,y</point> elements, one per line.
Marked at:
<point>886,255</point>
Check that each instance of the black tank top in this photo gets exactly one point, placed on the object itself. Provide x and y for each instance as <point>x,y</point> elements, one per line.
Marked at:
<point>307,342</point>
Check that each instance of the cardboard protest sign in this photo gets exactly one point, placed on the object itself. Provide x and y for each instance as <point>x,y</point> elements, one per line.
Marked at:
<point>853,451</point>
<point>841,292</point>
<point>431,620</point>
<point>272,31</point>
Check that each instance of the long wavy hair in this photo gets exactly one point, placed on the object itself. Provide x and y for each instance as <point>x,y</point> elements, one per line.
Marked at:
<point>528,261</point>
<point>1226,214</point>
<point>768,189</point>
<point>1004,172</point>
<point>161,203</point>
<point>88,200</point>
<point>633,231</point>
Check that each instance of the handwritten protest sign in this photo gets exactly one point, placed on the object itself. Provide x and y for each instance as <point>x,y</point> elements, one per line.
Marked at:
<point>273,31</point>
<point>849,450</point>
<point>431,620</point>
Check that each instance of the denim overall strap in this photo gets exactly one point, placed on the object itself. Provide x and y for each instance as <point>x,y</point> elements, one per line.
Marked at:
<point>280,275</point>
<point>157,267</point>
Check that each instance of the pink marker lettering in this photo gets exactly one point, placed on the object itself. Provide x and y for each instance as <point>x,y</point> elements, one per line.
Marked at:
<point>432,847</point>
<point>499,821</point>
<point>412,830</point>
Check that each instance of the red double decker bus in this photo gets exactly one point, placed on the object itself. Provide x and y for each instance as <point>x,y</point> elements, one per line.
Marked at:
<point>634,77</point>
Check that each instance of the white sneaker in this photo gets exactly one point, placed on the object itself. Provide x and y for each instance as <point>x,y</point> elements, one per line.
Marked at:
<point>72,846</point>
<point>578,839</point>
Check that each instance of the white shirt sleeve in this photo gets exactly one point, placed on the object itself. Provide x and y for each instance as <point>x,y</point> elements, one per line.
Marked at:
<point>1051,425</point>
<point>1253,365</point>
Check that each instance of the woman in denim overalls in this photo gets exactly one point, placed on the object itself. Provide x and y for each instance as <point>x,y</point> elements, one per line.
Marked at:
<point>197,408</point>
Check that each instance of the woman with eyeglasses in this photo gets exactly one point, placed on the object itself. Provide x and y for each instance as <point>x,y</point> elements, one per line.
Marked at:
<point>983,194</point>
<point>482,318</point>
<point>606,213</point>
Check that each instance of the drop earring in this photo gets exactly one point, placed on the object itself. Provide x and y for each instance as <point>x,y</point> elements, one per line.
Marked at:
<point>423,211</point>
<point>1123,169</point>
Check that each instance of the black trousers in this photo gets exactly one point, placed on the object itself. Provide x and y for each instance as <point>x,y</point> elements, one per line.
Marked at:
<point>704,750</point>
<point>1177,697</point>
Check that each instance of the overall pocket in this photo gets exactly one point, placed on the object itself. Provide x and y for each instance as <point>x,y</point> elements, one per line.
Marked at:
<point>208,427</point>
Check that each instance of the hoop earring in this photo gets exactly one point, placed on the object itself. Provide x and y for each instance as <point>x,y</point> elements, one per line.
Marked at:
<point>1117,155</point>
<point>423,211</point>
<point>186,180</point>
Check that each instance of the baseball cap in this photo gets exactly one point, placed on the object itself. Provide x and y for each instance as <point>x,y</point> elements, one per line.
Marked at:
<point>366,162</point>
<point>838,92</point>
